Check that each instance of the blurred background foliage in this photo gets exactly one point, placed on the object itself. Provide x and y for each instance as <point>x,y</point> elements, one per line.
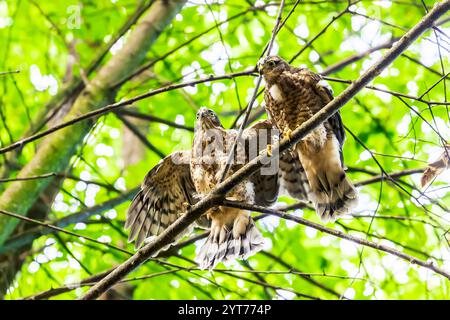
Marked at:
<point>39,39</point>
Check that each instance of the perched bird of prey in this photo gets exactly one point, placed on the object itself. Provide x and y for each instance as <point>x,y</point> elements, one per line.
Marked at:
<point>292,96</point>
<point>184,177</point>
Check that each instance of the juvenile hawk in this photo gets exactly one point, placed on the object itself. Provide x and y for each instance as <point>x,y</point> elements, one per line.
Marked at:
<point>292,96</point>
<point>184,177</point>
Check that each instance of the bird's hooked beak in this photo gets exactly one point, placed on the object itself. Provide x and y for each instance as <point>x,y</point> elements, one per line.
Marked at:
<point>202,112</point>
<point>204,119</point>
<point>260,65</point>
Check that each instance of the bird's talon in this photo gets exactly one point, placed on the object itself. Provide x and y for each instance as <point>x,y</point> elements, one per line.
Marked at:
<point>287,134</point>
<point>186,206</point>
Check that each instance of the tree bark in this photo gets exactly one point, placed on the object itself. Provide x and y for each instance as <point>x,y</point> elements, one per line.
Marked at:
<point>12,261</point>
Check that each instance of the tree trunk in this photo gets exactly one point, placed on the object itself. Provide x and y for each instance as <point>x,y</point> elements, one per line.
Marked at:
<point>11,262</point>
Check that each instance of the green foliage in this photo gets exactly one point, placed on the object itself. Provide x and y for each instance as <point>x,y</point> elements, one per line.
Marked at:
<point>386,124</point>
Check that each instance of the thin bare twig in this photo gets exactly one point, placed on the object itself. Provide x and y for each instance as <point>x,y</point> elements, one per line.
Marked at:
<point>143,116</point>
<point>80,216</point>
<point>58,229</point>
<point>429,265</point>
<point>118,105</point>
<point>217,194</point>
<point>3,73</point>
<point>253,99</point>
<point>140,136</point>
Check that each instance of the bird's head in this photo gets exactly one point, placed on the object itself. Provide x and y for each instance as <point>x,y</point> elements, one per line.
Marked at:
<point>207,119</point>
<point>272,66</point>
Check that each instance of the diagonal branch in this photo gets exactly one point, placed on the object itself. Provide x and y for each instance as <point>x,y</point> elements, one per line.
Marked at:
<point>114,106</point>
<point>358,56</point>
<point>80,216</point>
<point>140,136</point>
<point>151,118</point>
<point>253,99</point>
<point>58,229</point>
<point>429,265</point>
<point>214,197</point>
<point>394,175</point>
<point>3,73</point>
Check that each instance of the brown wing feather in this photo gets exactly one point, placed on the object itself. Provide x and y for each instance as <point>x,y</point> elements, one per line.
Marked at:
<point>164,195</point>
<point>335,121</point>
<point>292,176</point>
<point>265,186</point>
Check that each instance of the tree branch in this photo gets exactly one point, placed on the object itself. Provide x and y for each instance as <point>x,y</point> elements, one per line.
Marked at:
<point>19,196</point>
<point>395,175</point>
<point>429,265</point>
<point>275,30</point>
<point>213,198</point>
<point>143,116</point>
<point>114,106</point>
<point>3,73</point>
<point>140,136</point>
<point>80,216</point>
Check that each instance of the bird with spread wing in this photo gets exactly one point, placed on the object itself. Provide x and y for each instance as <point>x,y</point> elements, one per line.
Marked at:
<point>184,177</point>
<point>292,96</point>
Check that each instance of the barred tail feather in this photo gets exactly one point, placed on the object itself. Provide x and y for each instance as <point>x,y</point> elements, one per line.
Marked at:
<point>336,200</point>
<point>225,243</point>
<point>149,216</point>
<point>292,176</point>
<point>332,192</point>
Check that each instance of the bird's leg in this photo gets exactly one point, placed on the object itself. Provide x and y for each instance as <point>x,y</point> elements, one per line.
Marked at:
<point>240,223</point>
<point>287,134</point>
